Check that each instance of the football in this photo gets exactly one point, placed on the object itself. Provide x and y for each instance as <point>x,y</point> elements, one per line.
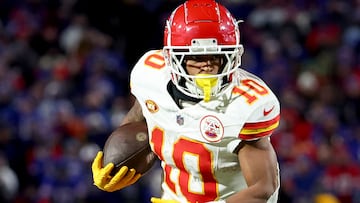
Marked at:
<point>128,145</point>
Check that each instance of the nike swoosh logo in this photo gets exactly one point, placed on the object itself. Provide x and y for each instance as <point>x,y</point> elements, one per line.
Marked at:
<point>266,112</point>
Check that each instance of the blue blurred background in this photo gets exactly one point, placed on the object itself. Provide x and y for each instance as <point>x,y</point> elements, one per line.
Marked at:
<point>64,68</point>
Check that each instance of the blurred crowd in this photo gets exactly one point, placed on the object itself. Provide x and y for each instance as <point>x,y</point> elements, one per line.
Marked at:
<point>64,70</point>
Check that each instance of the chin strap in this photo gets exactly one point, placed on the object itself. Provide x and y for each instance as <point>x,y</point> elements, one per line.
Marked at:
<point>206,84</point>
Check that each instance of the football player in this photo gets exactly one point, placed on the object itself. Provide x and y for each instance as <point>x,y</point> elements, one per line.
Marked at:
<point>209,120</point>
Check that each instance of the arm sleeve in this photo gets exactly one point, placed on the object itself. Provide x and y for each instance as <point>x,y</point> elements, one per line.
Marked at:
<point>262,122</point>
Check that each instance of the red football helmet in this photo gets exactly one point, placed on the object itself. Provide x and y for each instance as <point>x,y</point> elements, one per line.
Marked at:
<point>201,27</point>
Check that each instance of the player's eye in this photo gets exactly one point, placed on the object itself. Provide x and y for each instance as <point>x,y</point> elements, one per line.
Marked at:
<point>201,58</point>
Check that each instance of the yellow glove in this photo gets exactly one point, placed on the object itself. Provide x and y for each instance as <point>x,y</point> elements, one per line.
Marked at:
<point>102,179</point>
<point>159,200</point>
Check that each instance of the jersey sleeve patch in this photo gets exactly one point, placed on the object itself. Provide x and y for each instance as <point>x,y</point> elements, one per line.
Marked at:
<point>252,131</point>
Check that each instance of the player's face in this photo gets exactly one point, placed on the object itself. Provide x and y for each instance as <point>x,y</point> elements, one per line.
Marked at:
<point>203,64</point>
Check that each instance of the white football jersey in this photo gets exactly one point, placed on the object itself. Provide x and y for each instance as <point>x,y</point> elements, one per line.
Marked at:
<point>196,144</point>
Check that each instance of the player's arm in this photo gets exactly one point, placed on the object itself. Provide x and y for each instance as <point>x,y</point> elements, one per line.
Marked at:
<point>125,176</point>
<point>258,163</point>
<point>134,114</point>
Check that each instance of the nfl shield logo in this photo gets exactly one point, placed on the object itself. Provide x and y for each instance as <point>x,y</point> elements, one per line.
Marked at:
<point>179,120</point>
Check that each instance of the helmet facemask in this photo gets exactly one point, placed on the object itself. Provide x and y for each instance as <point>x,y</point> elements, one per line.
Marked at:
<point>202,28</point>
<point>203,86</point>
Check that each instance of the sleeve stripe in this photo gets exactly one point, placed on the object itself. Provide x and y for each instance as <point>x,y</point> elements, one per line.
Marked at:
<point>259,125</point>
<point>255,136</point>
<point>260,130</point>
<point>257,130</point>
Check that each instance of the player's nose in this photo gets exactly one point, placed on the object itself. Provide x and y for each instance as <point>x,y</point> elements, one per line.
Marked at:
<point>206,67</point>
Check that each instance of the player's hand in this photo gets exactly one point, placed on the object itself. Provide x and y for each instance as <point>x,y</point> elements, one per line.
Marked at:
<point>102,179</point>
<point>159,200</point>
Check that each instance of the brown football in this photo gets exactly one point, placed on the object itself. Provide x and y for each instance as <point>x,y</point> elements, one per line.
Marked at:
<point>128,145</point>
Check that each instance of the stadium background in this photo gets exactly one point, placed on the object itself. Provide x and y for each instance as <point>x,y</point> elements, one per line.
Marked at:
<point>64,68</point>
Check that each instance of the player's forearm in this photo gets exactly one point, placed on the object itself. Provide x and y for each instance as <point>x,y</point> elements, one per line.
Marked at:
<point>260,169</point>
<point>253,194</point>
